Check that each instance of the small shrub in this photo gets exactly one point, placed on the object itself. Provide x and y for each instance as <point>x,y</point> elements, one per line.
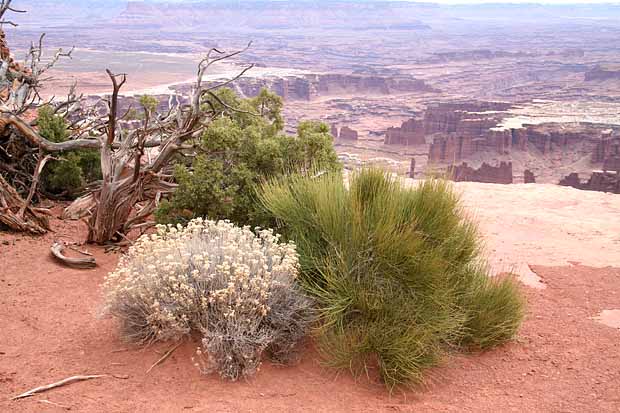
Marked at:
<point>236,153</point>
<point>51,127</point>
<point>235,288</point>
<point>495,311</point>
<point>395,271</point>
<point>68,175</point>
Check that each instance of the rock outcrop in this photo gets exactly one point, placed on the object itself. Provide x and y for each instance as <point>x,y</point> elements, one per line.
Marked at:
<point>528,177</point>
<point>5,54</point>
<point>458,146</point>
<point>455,128</point>
<point>412,168</point>
<point>607,151</point>
<point>602,181</point>
<point>310,86</point>
<point>348,133</point>
<point>501,174</point>
<point>411,132</point>
<point>602,73</point>
<point>457,131</point>
<point>334,131</point>
<point>612,164</point>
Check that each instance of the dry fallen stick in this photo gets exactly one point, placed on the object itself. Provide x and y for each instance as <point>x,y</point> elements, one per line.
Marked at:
<point>74,248</point>
<point>69,380</point>
<point>164,357</point>
<point>57,249</point>
<point>62,406</point>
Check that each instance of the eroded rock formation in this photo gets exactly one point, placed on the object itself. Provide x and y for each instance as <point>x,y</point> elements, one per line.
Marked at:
<point>528,177</point>
<point>411,132</point>
<point>612,164</point>
<point>501,174</point>
<point>459,130</point>
<point>607,151</point>
<point>602,73</point>
<point>455,147</point>
<point>348,133</point>
<point>603,181</point>
<point>311,86</point>
<point>412,168</point>
<point>334,131</point>
<point>458,124</point>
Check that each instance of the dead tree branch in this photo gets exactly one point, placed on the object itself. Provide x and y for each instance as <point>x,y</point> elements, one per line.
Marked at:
<point>35,182</point>
<point>131,185</point>
<point>69,380</point>
<point>57,249</point>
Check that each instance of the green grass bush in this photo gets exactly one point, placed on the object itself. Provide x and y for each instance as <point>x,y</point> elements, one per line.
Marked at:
<point>396,271</point>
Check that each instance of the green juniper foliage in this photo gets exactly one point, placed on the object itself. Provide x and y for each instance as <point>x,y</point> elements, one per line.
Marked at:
<point>76,168</point>
<point>148,103</point>
<point>237,152</point>
<point>395,271</point>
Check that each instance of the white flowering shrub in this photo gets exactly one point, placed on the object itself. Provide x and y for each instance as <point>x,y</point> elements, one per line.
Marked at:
<point>237,289</point>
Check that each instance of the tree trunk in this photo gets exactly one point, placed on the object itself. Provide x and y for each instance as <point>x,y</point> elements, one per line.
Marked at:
<point>114,201</point>
<point>115,211</point>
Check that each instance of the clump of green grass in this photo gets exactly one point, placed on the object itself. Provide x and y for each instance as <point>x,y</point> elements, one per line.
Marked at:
<point>396,272</point>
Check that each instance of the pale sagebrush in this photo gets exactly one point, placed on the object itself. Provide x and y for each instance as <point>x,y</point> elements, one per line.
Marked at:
<point>235,287</point>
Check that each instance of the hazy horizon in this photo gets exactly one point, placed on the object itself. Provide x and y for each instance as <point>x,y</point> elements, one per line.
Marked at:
<point>446,2</point>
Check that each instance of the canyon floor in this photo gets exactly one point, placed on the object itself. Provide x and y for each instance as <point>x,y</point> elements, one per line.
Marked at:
<point>563,360</point>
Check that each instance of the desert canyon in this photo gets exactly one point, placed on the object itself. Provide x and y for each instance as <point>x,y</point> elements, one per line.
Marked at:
<point>517,103</point>
<point>534,86</point>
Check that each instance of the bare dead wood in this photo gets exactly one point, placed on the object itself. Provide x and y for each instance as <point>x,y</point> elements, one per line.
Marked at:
<point>57,251</point>
<point>74,248</point>
<point>62,406</point>
<point>64,382</point>
<point>5,6</point>
<point>130,189</point>
<point>35,181</point>
<point>79,208</point>
<point>164,357</point>
<point>30,134</point>
<point>116,87</point>
<point>31,221</point>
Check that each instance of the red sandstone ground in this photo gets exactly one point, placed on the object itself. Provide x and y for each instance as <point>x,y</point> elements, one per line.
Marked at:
<point>562,360</point>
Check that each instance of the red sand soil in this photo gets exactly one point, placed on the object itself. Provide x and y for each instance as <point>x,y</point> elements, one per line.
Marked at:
<point>562,361</point>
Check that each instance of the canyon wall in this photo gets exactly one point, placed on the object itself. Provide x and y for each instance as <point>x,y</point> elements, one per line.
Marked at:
<point>459,130</point>
<point>468,120</point>
<point>411,132</point>
<point>310,86</point>
<point>457,146</point>
<point>607,151</point>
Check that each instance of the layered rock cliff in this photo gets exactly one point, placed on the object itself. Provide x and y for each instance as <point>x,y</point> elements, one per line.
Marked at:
<point>311,86</point>
<point>458,131</point>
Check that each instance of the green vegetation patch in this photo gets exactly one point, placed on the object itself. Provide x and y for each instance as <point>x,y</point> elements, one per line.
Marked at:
<point>396,272</point>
